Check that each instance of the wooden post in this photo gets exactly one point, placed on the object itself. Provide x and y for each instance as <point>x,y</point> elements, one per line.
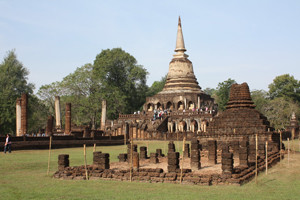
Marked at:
<point>131,159</point>
<point>288,151</point>
<point>280,145</point>
<point>94,147</point>
<point>182,160</point>
<point>256,147</point>
<point>50,143</point>
<point>266,157</point>
<point>85,165</point>
<point>293,139</point>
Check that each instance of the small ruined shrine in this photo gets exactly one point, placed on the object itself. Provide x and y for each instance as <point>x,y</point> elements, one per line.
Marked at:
<point>240,116</point>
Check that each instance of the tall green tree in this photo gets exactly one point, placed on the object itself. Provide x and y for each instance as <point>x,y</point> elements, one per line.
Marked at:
<point>260,99</point>
<point>285,86</point>
<point>156,86</point>
<point>222,93</point>
<point>14,82</point>
<point>279,111</point>
<point>121,80</point>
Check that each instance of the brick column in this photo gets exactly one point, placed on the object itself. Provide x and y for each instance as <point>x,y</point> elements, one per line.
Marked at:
<point>227,161</point>
<point>101,160</point>
<point>68,119</point>
<point>143,152</point>
<point>49,127</point>
<point>63,161</point>
<point>173,161</point>
<point>195,155</point>
<point>57,112</point>
<point>18,117</point>
<point>171,146</point>
<point>212,152</point>
<point>24,102</point>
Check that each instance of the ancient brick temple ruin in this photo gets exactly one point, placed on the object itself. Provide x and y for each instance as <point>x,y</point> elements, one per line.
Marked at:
<point>222,147</point>
<point>225,154</point>
<point>180,107</point>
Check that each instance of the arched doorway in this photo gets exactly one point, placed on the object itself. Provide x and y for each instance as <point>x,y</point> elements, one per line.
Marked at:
<point>159,107</point>
<point>169,105</point>
<point>149,107</point>
<point>180,105</point>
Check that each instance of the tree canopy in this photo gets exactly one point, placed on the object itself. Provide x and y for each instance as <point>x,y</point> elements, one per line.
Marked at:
<point>121,80</point>
<point>14,82</point>
<point>157,86</point>
<point>115,77</point>
<point>285,86</point>
<point>222,93</point>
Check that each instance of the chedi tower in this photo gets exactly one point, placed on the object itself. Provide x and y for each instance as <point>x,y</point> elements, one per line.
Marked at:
<point>181,91</point>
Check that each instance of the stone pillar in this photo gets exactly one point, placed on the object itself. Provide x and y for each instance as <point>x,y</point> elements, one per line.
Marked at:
<point>143,152</point>
<point>227,161</point>
<point>49,127</point>
<point>103,115</point>
<point>68,119</point>
<point>122,157</point>
<point>176,126</point>
<point>173,161</point>
<point>86,132</point>
<point>63,161</point>
<point>18,117</point>
<point>57,113</point>
<point>24,102</point>
<point>195,155</point>
<point>101,160</point>
<point>212,152</point>
<point>198,102</point>
<point>188,121</point>
<point>171,146</point>
<point>199,125</point>
<point>134,148</point>
<point>135,161</point>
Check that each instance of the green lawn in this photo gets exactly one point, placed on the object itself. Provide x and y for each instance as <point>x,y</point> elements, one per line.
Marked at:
<point>23,176</point>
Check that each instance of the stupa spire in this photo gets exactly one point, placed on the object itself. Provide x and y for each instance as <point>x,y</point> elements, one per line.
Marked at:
<point>180,47</point>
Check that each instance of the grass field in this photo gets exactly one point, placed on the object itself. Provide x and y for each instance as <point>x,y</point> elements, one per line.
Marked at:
<point>23,176</point>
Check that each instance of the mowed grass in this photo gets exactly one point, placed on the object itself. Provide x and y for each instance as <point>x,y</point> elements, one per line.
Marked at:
<point>23,176</point>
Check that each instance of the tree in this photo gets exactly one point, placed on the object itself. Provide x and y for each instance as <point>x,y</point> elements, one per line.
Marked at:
<point>279,111</point>
<point>285,86</point>
<point>157,86</point>
<point>13,81</point>
<point>222,93</point>
<point>260,99</point>
<point>122,82</point>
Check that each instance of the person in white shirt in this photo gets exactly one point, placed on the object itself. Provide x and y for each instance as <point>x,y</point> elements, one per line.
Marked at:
<point>7,146</point>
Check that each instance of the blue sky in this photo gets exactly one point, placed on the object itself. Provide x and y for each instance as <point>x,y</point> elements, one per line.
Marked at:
<point>249,41</point>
